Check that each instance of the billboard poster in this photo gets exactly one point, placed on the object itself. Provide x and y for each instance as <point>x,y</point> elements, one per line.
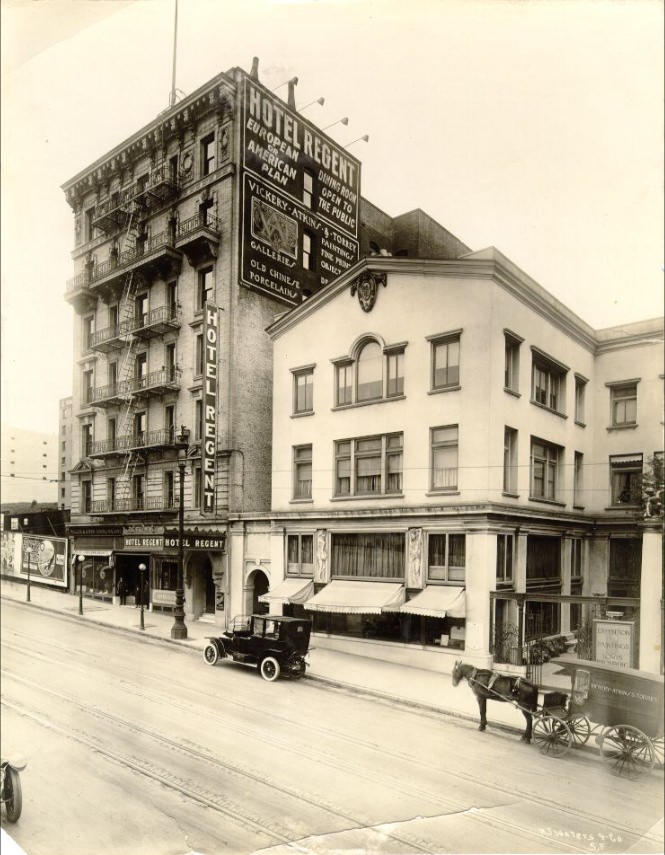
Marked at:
<point>300,201</point>
<point>209,409</point>
<point>11,553</point>
<point>45,559</point>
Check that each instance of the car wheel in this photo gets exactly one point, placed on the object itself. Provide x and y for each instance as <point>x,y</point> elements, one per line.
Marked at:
<point>270,669</point>
<point>210,654</point>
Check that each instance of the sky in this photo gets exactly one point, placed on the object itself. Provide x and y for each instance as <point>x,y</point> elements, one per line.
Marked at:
<point>535,126</point>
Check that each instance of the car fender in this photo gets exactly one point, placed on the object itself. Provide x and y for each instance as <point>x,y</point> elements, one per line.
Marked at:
<point>219,644</point>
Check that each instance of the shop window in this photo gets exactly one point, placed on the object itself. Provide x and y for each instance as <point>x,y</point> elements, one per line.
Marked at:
<point>548,382</point>
<point>367,555</point>
<point>510,460</point>
<point>624,404</point>
<point>444,443</point>
<point>303,391</point>
<point>543,564</point>
<point>300,554</point>
<point>505,552</point>
<point>511,380</point>
<point>445,362</point>
<point>302,472</point>
<point>625,568</point>
<point>626,479</point>
<point>545,470</point>
<point>446,557</point>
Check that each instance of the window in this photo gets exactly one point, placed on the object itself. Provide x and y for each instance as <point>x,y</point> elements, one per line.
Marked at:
<point>87,391</point>
<point>510,460</point>
<point>626,479</point>
<point>580,391</point>
<point>511,380</point>
<point>89,230</point>
<point>86,440</point>
<point>308,250</point>
<point>446,557</point>
<point>169,421</point>
<point>302,472</point>
<point>86,497</point>
<point>575,559</point>
<point>198,363</point>
<point>308,189</point>
<point>376,464</point>
<point>208,154</point>
<point>141,310</point>
<point>545,462</point>
<point>624,404</point>
<point>625,568</point>
<point>303,391</point>
<point>110,493</point>
<point>88,332</point>
<point>197,487</point>
<point>370,372</point>
<point>548,382</point>
<point>111,431</point>
<point>112,375</point>
<point>204,291</point>
<point>198,419</point>
<point>395,373</point>
<point>367,555</point>
<point>138,492</point>
<point>344,383</point>
<point>172,298</point>
<point>444,442</point>
<point>169,490</point>
<point>543,563</point>
<point>505,552</point>
<point>445,362</point>
<point>139,428</point>
<point>170,359</point>
<point>300,554</point>
<point>577,479</point>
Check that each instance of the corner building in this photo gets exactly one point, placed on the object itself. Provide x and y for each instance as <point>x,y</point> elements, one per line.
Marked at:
<point>458,465</point>
<point>221,214</point>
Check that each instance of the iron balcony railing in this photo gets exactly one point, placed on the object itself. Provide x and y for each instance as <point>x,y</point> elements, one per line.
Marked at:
<point>160,438</point>
<point>134,504</point>
<point>202,220</point>
<point>156,380</point>
<point>168,315</point>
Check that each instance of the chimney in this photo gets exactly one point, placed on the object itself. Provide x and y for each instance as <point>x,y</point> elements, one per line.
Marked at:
<point>292,92</point>
<point>254,73</point>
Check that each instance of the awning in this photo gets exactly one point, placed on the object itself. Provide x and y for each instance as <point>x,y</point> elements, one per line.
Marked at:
<point>92,553</point>
<point>438,601</point>
<point>356,598</point>
<point>628,460</point>
<point>289,591</point>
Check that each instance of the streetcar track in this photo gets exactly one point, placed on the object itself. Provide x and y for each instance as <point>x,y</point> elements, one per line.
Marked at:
<point>326,758</point>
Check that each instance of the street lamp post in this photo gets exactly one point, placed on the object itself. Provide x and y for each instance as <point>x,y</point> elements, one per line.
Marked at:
<point>27,591</point>
<point>179,630</point>
<point>79,560</point>
<point>142,569</point>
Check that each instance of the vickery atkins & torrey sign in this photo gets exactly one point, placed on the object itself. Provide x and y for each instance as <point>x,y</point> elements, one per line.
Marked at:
<point>300,200</point>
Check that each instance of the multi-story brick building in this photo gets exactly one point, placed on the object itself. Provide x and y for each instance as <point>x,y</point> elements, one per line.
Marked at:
<point>221,214</point>
<point>64,452</point>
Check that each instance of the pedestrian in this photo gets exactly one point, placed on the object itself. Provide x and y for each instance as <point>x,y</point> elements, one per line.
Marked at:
<point>122,591</point>
<point>146,594</point>
<point>137,596</point>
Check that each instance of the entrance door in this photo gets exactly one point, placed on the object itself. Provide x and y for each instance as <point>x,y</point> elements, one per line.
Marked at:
<point>210,590</point>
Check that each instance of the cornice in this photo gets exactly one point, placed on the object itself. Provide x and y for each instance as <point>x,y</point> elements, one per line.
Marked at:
<point>216,95</point>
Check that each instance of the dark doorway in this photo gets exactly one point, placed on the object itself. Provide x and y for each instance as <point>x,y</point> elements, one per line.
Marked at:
<point>210,589</point>
<point>261,586</point>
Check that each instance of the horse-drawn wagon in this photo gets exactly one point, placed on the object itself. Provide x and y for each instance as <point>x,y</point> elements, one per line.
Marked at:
<point>622,707</point>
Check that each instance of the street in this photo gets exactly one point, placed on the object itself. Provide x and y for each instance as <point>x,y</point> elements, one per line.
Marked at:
<point>138,747</point>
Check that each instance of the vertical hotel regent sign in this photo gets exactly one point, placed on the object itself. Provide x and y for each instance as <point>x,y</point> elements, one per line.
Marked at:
<point>209,408</point>
<point>298,187</point>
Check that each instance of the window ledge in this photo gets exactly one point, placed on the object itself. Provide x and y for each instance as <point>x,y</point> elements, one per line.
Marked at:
<point>510,495</point>
<point>542,501</point>
<point>512,392</point>
<point>442,493</point>
<point>623,507</point>
<point>365,496</point>
<point>548,409</point>
<point>578,507</point>
<point>301,501</point>
<point>622,427</point>
<point>302,415</point>
<point>444,389</point>
<point>580,424</point>
<point>355,404</point>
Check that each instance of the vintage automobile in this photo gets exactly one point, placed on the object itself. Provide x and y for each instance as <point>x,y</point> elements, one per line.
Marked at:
<point>274,643</point>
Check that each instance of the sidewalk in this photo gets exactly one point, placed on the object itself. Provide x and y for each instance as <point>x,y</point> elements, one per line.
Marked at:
<point>414,687</point>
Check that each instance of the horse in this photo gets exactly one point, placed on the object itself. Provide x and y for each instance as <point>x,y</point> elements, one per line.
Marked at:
<point>487,684</point>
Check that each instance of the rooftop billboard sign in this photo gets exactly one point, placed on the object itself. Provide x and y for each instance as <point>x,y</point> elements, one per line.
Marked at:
<point>300,200</point>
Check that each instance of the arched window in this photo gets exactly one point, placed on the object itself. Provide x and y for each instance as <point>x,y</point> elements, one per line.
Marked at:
<point>370,372</point>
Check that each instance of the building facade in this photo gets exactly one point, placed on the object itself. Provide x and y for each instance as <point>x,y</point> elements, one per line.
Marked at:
<point>29,465</point>
<point>66,424</point>
<point>458,465</point>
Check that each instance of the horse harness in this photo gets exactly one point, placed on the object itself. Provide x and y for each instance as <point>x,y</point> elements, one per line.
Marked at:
<point>494,676</point>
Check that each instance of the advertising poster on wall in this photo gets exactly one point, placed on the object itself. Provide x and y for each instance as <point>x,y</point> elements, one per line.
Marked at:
<point>45,559</point>
<point>10,554</point>
<point>300,201</point>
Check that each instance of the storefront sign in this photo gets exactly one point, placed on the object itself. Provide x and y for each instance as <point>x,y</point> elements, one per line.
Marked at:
<point>163,598</point>
<point>209,414</point>
<point>300,200</point>
<point>613,642</point>
<point>199,540</point>
<point>143,541</point>
<point>95,530</point>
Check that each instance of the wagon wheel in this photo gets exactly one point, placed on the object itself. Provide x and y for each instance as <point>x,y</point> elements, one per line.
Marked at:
<point>580,729</point>
<point>658,748</point>
<point>552,736</point>
<point>627,751</point>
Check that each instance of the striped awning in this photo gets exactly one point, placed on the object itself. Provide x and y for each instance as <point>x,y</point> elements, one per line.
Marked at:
<point>356,598</point>
<point>628,460</point>
<point>289,591</point>
<point>438,601</point>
